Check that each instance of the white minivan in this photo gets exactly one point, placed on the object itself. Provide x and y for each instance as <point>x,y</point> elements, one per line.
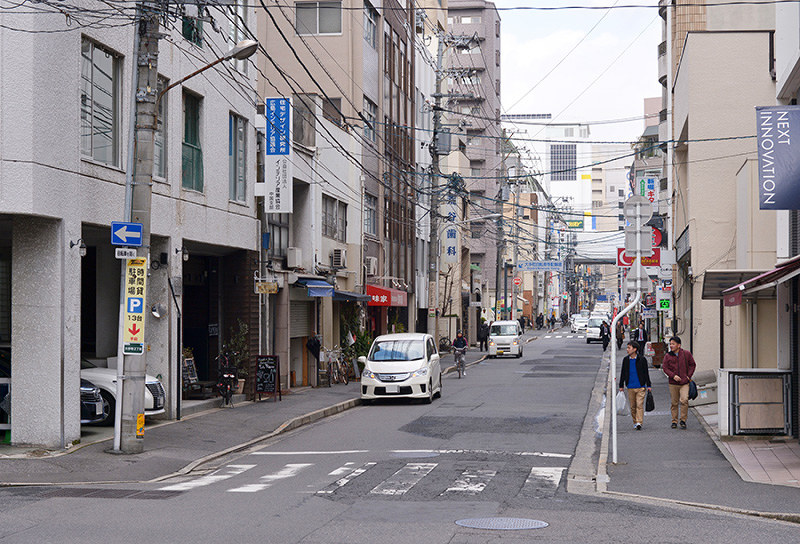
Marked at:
<point>505,339</point>
<point>401,365</point>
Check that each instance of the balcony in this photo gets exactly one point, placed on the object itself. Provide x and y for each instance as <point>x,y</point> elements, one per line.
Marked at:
<point>663,65</point>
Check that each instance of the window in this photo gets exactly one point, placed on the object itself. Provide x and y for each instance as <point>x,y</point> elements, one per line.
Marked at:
<point>318,17</point>
<point>371,115</point>
<point>160,136</point>
<point>497,28</point>
<point>477,229</point>
<point>334,218</point>
<point>99,103</point>
<point>370,215</point>
<point>569,132</point>
<point>563,160</point>
<point>370,25</point>
<point>612,189</point>
<point>192,156</point>
<point>330,110</point>
<point>304,120</point>
<point>237,151</point>
<point>193,30</point>
<point>475,172</point>
<point>470,20</point>
<point>450,21</point>
<point>496,57</point>
<point>238,22</point>
<point>278,234</point>
<point>597,203</point>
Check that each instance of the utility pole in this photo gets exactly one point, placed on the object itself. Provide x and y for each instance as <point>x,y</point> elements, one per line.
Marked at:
<point>501,234</point>
<point>433,247</point>
<point>130,405</point>
<point>517,218</point>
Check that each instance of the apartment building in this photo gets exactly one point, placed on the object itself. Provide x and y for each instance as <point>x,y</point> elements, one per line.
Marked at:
<point>473,113</point>
<point>62,187</point>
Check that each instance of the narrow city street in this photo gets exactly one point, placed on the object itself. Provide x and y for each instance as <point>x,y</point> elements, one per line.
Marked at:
<point>498,444</point>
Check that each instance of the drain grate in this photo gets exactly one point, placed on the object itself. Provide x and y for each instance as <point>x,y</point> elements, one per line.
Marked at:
<point>502,524</point>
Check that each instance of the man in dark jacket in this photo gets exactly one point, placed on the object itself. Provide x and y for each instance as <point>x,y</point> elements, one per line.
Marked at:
<point>483,336</point>
<point>679,367</point>
<point>636,376</point>
<point>640,335</point>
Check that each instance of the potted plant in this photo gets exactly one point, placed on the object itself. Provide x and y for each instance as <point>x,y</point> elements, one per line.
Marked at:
<point>238,352</point>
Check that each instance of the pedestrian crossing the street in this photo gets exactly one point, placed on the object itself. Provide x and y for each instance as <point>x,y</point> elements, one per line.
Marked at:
<point>465,482</point>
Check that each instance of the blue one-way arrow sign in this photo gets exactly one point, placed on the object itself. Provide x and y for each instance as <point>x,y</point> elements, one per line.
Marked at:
<point>126,234</point>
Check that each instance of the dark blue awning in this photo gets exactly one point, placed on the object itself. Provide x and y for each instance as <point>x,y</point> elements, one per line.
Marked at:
<point>316,288</point>
<point>348,296</point>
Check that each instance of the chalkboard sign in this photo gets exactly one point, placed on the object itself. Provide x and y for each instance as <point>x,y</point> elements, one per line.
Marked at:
<point>268,376</point>
<point>189,372</point>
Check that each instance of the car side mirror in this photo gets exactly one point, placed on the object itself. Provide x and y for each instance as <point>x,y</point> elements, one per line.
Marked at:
<point>435,357</point>
<point>362,360</point>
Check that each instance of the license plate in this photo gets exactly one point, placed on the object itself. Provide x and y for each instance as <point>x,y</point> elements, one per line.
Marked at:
<point>392,388</point>
<point>500,352</point>
<point>98,408</point>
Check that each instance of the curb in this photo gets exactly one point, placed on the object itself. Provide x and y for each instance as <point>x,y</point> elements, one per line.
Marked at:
<point>285,427</point>
<point>452,368</point>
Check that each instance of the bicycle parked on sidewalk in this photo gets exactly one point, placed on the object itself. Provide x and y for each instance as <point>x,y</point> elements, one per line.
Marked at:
<point>227,380</point>
<point>336,367</point>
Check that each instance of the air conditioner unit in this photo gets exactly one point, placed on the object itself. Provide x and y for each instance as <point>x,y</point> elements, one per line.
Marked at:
<point>372,265</point>
<point>339,258</point>
<point>294,257</point>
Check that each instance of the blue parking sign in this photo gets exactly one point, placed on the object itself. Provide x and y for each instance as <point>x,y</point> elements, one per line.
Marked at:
<point>135,305</point>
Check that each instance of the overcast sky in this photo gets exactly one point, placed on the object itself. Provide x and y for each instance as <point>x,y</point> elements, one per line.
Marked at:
<point>612,69</point>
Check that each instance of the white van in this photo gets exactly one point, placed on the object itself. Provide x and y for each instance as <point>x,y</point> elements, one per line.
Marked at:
<point>505,339</point>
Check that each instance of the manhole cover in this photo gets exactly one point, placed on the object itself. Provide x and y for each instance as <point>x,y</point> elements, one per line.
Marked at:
<point>502,524</point>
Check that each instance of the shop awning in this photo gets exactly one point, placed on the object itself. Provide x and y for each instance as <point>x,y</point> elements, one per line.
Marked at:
<point>384,296</point>
<point>717,281</point>
<point>316,288</point>
<point>765,282</point>
<point>348,296</point>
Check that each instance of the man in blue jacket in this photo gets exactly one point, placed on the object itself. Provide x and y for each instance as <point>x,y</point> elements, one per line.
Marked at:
<point>636,376</point>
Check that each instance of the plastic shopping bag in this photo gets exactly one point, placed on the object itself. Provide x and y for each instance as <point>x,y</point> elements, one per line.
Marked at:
<point>622,404</point>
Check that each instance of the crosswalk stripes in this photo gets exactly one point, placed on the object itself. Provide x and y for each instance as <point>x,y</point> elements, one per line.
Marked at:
<point>346,479</point>
<point>266,481</point>
<point>217,476</point>
<point>404,479</point>
<point>471,482</point>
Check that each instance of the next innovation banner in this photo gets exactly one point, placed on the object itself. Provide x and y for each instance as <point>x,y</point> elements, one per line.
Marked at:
<point>778,161</point>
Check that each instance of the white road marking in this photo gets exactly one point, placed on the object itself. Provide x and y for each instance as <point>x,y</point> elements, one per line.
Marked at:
<point>342,452</point>
<point>347,467</point>
<point>559,336</point>
<point>550,475</point>
<point>570,336</point>
<point>347,479</point>
<point>208,479</point>
<point>267,480</point>
<point>548,336</point>
<point>404,479</point>
<point>471,482</point>
<point>491,452</point>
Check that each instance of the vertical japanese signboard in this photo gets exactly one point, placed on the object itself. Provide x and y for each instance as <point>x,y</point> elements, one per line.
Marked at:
<point>135,289</point>
<point>778,161</point>
<point>278,171</point>
<point>451,246</point>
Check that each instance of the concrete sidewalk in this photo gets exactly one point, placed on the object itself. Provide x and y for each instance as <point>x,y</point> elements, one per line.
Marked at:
<point>693,466</point>
<point>175,447</point>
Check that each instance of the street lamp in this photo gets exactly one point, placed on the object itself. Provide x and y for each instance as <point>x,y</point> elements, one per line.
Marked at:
<point>439,255</point>
<point>128,438</point>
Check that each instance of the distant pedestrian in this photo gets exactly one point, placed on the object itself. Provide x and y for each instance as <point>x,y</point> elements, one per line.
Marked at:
<point>636,377</point>
<point>640,335</point>
<point>679,367</point>
<point>605,334</point>
<point>522,324</point>
<point>620,333</point>
<point>483,336</point>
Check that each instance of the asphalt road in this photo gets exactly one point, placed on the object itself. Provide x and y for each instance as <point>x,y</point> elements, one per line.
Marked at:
<point>498,444</point>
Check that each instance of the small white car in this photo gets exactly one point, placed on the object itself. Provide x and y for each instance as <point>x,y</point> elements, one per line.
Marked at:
<point>504,339</point>
<point>593,330</point>
<point>401,365</point>
<point>579,324</point>
<point>106,380</point>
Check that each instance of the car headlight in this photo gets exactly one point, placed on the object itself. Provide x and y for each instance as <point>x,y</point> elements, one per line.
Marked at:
<point>368,374</point>
<point>421,372</point>
<point>89,389</point>
<point>516,343</point>
<point>491,343</point>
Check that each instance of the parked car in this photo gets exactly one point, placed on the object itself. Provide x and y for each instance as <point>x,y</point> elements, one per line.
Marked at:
<point>504,339</point>
<point>579,324</point>
<point>91,399</point>
<point>91,403</point>
<point>106,379</point>
<point>401,365</point>
<point>593,330</point>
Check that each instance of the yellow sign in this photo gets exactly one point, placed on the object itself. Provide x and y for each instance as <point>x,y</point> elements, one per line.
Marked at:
<point>139,425</point>
<point>266,287</point>
<point>135,291</point>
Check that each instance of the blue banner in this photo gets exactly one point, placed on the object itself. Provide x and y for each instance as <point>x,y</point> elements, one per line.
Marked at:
<point>778,161</point>
<point>278,118</point>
